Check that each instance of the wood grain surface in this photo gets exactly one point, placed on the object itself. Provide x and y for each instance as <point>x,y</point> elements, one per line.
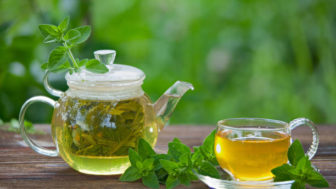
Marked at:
<point>21,167</point>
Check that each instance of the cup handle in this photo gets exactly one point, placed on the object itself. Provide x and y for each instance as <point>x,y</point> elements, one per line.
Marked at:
<point>27,139</point>
<point>49,88</point>
<point>304,121</point>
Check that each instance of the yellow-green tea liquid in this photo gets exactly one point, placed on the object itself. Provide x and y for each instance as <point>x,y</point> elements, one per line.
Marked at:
<point>251,158</point>
<point>93,165</point>
<point>94,136</point>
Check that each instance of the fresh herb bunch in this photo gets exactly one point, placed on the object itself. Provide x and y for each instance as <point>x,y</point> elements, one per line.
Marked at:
<point>300,169</point>
<point>174,168</point>
<point>60,56</point>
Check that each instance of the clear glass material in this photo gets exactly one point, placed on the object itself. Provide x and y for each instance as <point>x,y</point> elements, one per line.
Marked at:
<point>166,104</point>
<point>119,78</point>
<point>228,183</point>
<point>249,148</point>
<point>51,90</point>
<point>26,138</point>
<point>93,136</point>
<point>101,116</point>
<point>105,56</point>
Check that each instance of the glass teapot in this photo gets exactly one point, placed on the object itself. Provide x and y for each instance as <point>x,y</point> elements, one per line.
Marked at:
<point>101,116</point>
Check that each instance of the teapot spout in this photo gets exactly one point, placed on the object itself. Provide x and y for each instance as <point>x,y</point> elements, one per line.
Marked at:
<point>166,104</point>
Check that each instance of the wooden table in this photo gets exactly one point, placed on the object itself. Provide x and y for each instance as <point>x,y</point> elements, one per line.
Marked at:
<point>21,167</point>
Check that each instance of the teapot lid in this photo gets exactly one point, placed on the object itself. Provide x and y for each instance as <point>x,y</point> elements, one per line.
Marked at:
<point>117,76</point>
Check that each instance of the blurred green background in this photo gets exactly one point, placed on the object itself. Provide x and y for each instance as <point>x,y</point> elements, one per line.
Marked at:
<point>273,59</point>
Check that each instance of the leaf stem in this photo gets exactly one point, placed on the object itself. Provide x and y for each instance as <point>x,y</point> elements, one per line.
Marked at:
<point>73,60</point>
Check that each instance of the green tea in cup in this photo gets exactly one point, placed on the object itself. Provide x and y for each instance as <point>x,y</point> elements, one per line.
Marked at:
<point>249,148</point>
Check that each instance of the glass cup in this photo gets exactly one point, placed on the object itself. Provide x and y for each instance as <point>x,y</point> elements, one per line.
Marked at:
<point>249,148</point>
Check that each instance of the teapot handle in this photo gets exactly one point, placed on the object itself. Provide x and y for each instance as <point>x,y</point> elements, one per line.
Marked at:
<point>27,139</point>
<point>49,88</point>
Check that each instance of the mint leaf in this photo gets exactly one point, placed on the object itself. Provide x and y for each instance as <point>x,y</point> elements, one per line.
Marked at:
<point>64,24</point>
<point>169,166</point>
<point>204,159</point>
<point>82,62</point>
<point>207,148</point>
<point>71,71</point>
<point>148,164</point>
<point>48,29</point>
<point>295,152</point>
<point>300,169</point>
<point>131,174</point>
<point>157,159</point>
<point>160,172</point>
<point>182,169</point>
<point>69,39</point>
<point>133,157</point>
<point>139,165</point>
<point>197,157</point>
<point>44,66</point>
<point>161,175</point>
<point>298,185</point>
<point>172,182</point>
<point>72,35</point>
<point>282,172</point>
<point>177,148</point>
<point>145,150</point>
<point>50,39</point>
<point>191,175</point>
<point>303,165</point>
<point>95,66</point>
<point>184,179</point>
<point>56,58</point>
<point>85,32</point>
<point>141,168</point>
<point>185,160</point>
<point>316,179</point>
<point>208,143</point>
<point>151,180</point>
<point>206,168</point>
<point>62,67</point>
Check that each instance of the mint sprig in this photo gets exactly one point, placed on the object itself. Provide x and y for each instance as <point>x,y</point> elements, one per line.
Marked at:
<point>142,165</point>
<point>174,168</point>
<point>300,169</point>
<point>61,58</point>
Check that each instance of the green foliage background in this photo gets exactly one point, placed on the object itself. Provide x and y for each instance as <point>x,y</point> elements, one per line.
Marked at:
<point>273,59</point>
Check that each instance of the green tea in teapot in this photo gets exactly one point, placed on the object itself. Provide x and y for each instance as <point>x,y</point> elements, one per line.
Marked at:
<point>94,136</point>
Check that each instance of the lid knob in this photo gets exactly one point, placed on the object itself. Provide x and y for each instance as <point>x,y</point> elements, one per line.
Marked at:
<point>105,56</point>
